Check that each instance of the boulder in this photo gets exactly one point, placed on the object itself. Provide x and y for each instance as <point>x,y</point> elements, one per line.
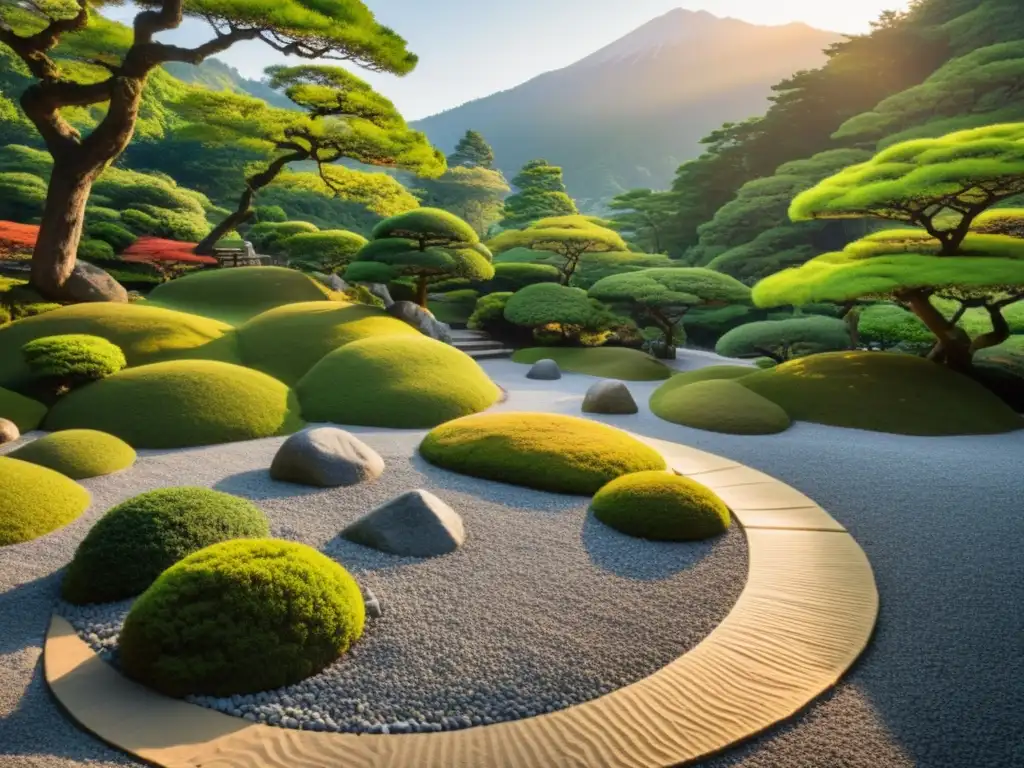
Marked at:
<point>332,281</point>
<point>421,320</point>
<point>380,290</point>
<point>545,370</point>
<point>325,457</point>
<point>609,397</point>
<point>416,524</point>
<point>88,282</point>
<point>9,431</point>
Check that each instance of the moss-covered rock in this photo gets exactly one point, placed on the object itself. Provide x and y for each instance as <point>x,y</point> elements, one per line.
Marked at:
<point>78,453</point>
<point>240,617</point>
<point>136,541</point>
<point>35,500</point>
<point>719,405</point>
<point>661,506</point>
<point>539,450</point>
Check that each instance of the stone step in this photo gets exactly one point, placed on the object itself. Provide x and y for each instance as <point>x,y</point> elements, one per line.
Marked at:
<point>489,354</point>
<point>465,345</point>
<point>459,335</point>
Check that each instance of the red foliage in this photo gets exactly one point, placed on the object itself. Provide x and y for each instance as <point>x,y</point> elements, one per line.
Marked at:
<point>17,237</point>
<point>150,249</point>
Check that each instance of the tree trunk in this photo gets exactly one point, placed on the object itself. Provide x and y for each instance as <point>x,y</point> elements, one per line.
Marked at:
<point>956,353</point>
<point>60,230</point>
<point>421,291</point>
<point>1000,331</point>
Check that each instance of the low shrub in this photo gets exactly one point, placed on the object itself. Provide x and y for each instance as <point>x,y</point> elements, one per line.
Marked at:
<point>661,506</point>
<point>78,453</point>
<point>95,251</point>
<point>329,250</point>
<point>62,363</point>
<point>35,500</point>
<point>783,340</point>
<point>512,277</point>
<point>117,237</point>
<point>240,617</point>
<point>136,541</point>
<point>719,405</point>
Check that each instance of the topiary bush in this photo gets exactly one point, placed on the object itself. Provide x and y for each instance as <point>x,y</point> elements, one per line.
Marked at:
<point>59,364</point>
<point>661,506</point>
<point>117,237</point>
<point>241,617</point>
<point>405,382</point>
<point>513,276</point>
<point>329,250</point>
<point>95,251</point>
<point>78,453</point>
<point>35,500</point>
<point>489,316</point>
<point>136,541</point>
<point>783,340</point>
<point>718,405</point>
<point>556,453</point>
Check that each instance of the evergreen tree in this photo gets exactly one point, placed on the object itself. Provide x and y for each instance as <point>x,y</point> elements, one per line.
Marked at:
<point>542,194</point>
<point>472,151</point>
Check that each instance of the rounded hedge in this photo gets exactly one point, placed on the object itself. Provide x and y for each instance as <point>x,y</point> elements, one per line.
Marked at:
<point>95,250</point>
<point>25,412</point>
<point>180,404</point>
<point>620,363</point>
<point>395,381</point>
<point>78,453</point>
<point>136,541</point>
<point>550,452</point>
<point>785,339</point>
<point>35,500</point>
<point>719,405</point>
<point>72,359</point>
<point>288,341</point>
<point>661,506</point>
<point>241,617</point>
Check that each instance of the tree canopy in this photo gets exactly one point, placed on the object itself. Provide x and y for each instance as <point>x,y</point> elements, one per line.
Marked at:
<point>643,216</point>
<point>541,194</point>
<point>472,151</point>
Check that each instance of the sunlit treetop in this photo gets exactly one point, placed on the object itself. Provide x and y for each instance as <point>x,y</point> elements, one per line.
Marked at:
<point>673,287</point>
<point>428,227</point>
<point>1000,221</point>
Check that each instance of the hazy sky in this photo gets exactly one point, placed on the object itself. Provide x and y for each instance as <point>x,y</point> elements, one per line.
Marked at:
<point>471,48</point>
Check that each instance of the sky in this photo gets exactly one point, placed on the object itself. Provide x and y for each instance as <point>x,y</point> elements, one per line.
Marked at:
<point>472,48</point>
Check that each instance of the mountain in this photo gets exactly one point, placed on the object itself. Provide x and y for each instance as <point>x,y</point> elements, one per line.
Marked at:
<point>629,114</point>
<point>215,74</point>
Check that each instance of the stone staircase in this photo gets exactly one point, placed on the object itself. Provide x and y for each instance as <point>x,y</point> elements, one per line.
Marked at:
<point>478,345</point>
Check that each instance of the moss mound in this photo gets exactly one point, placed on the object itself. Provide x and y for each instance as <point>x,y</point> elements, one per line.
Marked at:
<point>180,404</point>
<point>241,617</point>
<point>710,373</point>
<point>539,450</point>
<point>395,381</point>
<point>662,507</point>
<point>607,362</point>
<point>288,341</point>
<point>719,405</point>
<point>145,334</point>
<point>883,392</point>
<point>35,500</point>
<point>23,411</point>
<point>139,539</point>
<point>238,294</point>
<point>78,453</point>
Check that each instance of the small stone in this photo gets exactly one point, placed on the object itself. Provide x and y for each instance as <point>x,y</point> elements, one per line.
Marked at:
<point>9,431</point>
<point>374,611</point>
<point>326,457</point>
<point>545,370</point>
<point>609,397</point>
<point>416,524</point>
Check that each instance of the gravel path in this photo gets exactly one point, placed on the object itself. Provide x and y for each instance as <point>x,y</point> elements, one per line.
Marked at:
<point>940,520</point>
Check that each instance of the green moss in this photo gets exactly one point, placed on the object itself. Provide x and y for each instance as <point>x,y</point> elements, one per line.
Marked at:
<point>709,373</point>
<point>35,500</point>
<point>718,405</point>
<point>241,617</point>
<point>136,541</point>
<point>146,334</point>
<point>564,454</point>
<point>238,294</point>
<point>662,507</point>
<point>26,413</point>
<point>607,362</point>
<point>288,341</point>
<point>180,404</point>
<point>883,392</point>
<point>395,381</point>
<point>78,453</point>
<point>71,360</point>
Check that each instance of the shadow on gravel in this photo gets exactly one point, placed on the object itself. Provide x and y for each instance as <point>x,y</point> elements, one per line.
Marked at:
<point>256,485</point>
<point>617,553</point>
<point>25,613</point>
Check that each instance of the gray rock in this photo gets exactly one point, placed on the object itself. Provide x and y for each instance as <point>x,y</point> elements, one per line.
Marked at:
<point>88,282</point>
<point>325,457</point>
<point>416,524</point>
<point>609,397</point>
<point>380,290</point>
<point>545,370</point>
<point>421,320</point>
<point>373,609</point>
<point>9,431</point>
<point>333,282</point>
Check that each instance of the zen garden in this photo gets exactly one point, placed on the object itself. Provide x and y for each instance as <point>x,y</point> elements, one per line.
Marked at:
<point>326,442</point>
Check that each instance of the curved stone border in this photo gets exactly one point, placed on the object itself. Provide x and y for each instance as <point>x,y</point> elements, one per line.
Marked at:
<point>807,612</point>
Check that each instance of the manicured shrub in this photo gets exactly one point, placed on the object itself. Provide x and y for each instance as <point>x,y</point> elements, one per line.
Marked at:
<point>456,307</point>
<point>329,250</point>
<point>512,277</point>
<point>270,213</point>
<point>489,316</point>
<point>662,507</point>
<point>141,223</point>
<point>395,381</point>
<point>95,251</point>
<point>136,541</point>
<point>719,405</point>
<point>117,237</point>
<point>241,617</point>
<point>564,454</point>
<point>78,453</point>
<point>181,403</point>
<point>887,326</point>
<point>62,363</point>
<point>607,362</point>
<point>35,500</point>
<point>96,214</point>
<point>783,340</point>
<point>25,412</point>
<point>268,237</point>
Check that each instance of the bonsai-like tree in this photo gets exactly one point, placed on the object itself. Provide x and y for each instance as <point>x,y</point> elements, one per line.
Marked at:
<point>427,245</point>
<point>344,118</point>
<point>944,186</point>
<point>111,68</point>
<point>327,251</point>
<point>782,340</point>
<point>554,307</point>
<point>541,194</point>
<point>664,296</point>
<point>472,151</point>
<point>562,241</point>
